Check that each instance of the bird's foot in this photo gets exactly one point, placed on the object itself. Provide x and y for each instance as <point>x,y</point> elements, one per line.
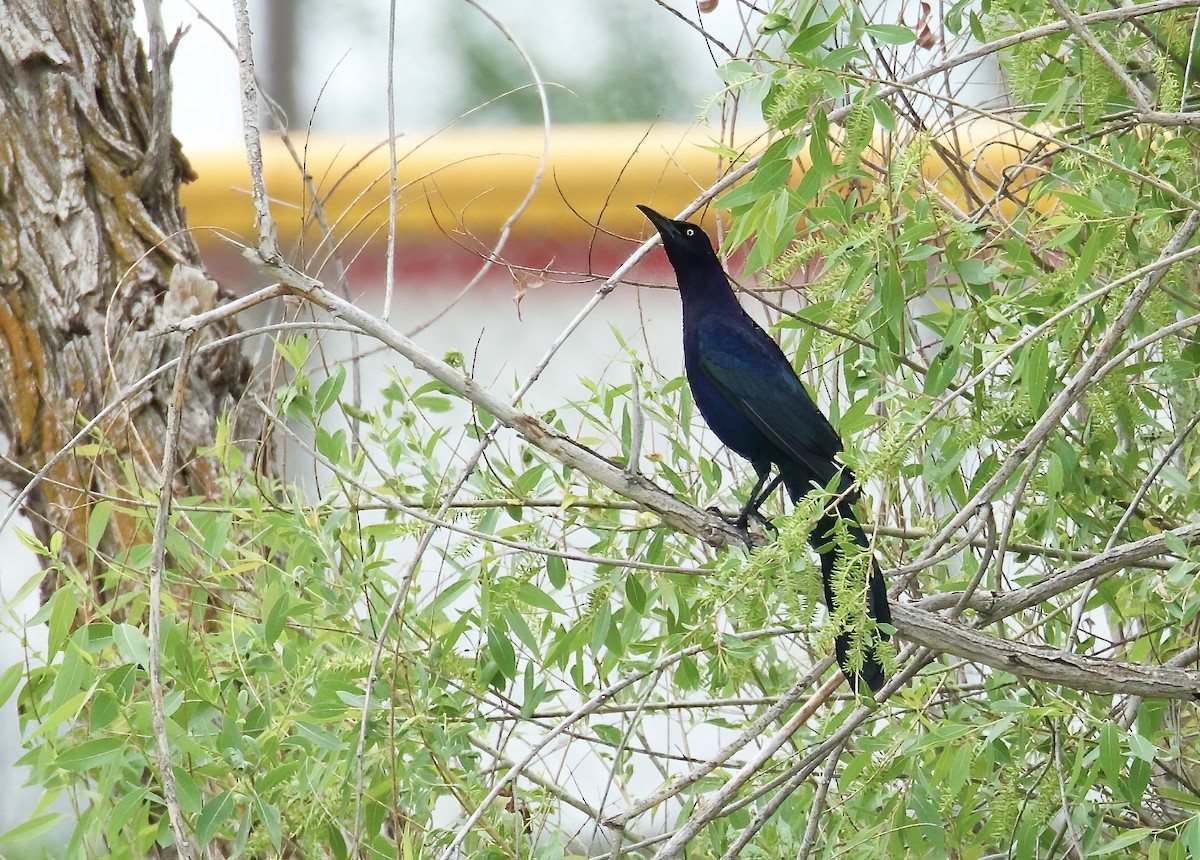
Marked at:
<point>743,521</point>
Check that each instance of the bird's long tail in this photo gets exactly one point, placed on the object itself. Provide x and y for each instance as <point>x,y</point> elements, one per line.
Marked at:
<point>823,541</point>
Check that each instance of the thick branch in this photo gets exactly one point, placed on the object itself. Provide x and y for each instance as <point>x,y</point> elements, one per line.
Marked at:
<point>1076,671</point>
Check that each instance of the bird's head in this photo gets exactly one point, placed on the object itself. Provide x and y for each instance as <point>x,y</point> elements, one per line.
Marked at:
<point>685,243</point>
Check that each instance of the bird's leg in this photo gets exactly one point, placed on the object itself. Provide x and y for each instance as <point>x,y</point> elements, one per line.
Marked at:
<point>763,496</point>
<point>757,496</point>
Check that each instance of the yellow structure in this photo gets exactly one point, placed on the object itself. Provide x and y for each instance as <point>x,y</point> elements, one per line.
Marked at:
<point>471,181</point>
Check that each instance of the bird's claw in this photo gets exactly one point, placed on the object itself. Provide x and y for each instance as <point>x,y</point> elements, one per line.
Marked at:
<point>742,523</point>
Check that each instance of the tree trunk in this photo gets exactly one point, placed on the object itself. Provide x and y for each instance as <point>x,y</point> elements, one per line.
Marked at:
<point>95,260</point>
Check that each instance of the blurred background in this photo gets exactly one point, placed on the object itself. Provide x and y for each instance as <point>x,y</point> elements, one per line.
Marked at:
<point>632,89</point>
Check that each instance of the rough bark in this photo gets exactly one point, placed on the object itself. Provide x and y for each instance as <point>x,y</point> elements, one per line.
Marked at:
<point>95,260</point>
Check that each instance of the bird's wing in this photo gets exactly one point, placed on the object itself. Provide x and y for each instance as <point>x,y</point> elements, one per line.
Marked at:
<point>754,375</point>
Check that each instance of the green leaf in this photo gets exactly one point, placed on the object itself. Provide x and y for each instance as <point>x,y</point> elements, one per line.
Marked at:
<point>214,815</point>
<point>267,782</point>
<point>329,391</point>
<point>891,34</point>
<point>74,673</point>
<point>98,523</point>
<point>600,625</point>
<point>132,644</point>
<point>635,592</point>
<point>774,22</point>
<point>534,596</point>
<point>502,652</point>
<point>1141,748</point>
<point>448,594</point>
<point>556,570</point>
<point>857,418</point>
<point>276,607</point>
<point>187,792</point>
<point>123,813</point>
<point>1082,205</point>
<point>91,754</point>
<point>34,828</point>
<point>1175,544</point>
<point>1111,759</point>
<point>268,815</point>
<point>1037,369</point>
<point>15,598</point>
<point>774,169</point>
<point>1191,837</point>
<point>812,37</point>
<point>960,770</point>
<point>1131,837</point>
<point>736,72</point>
<point>320,737</point>
<point>9,681</point>
<point>63,606</point>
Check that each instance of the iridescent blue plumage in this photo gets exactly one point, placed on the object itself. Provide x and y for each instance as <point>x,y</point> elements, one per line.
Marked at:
<point>750,396</point>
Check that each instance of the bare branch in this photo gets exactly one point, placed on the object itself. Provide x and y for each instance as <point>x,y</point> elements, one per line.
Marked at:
<point>814,814</point>
<point>252,135</point>
<point>675,513</point>
<point>166,493</point>
<point>996,606</point>
<point>1076,671</point>
<point>534,184</point>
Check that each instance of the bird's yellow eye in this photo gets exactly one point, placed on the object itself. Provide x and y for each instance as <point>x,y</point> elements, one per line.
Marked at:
<point>689,232</point>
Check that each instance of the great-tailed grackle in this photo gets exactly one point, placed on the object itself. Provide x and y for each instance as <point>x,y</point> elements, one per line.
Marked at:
<point>752,399</point>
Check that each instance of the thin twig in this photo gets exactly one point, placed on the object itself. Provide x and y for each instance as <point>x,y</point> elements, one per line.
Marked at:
<point>1130,509</point>
<point>268,248</point>
<point>139,386</point>
<point>719,805</point>
<point>996,606</point>
<point>438,521</point>
<point>389,273</point>
<point>1090,299</point>
<point>642,700</point>
<point>536,183</point>
<point>714,805</point>
<point>782,794</point>
<point>162,521</point>
<point>981,570</point>
<point>540,781</point>
<point>158,148</point>
<point>818,804</point>
<point>1067,824</point>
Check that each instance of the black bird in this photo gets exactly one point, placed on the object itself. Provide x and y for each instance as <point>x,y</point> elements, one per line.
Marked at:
<point>750,396</point>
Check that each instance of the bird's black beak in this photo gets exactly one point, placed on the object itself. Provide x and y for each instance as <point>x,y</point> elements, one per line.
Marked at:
<point>664,225</point>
